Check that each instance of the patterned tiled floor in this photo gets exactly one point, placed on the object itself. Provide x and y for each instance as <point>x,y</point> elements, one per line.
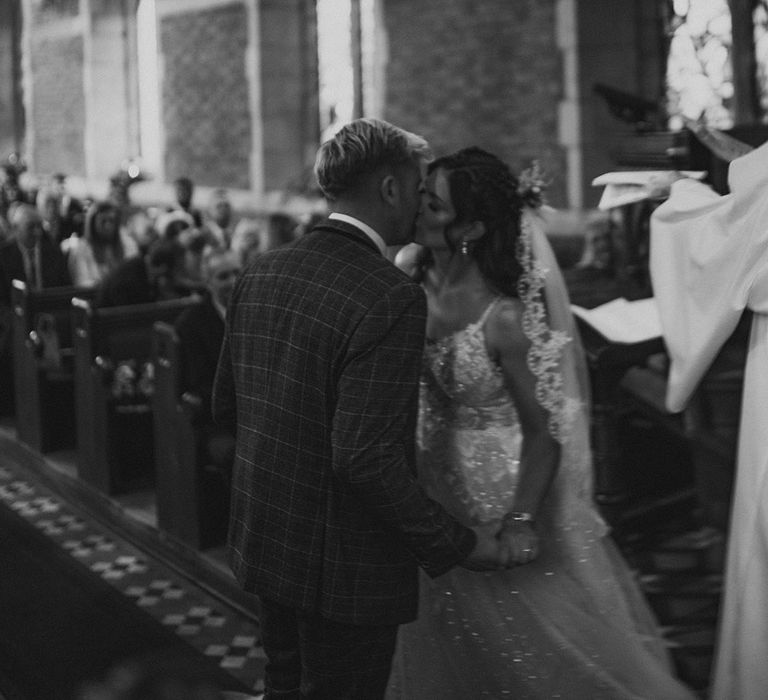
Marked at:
<point>678,564</point>
<point>206,622</point>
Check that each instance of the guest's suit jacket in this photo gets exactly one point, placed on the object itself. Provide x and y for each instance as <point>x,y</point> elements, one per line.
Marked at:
<point>201,331</point>
<point>52,262</point>
<point>320,365</point>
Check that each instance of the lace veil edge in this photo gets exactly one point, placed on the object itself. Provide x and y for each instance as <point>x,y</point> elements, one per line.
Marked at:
<point>555,357</point>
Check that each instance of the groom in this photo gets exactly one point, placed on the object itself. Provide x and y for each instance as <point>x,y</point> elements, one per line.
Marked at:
<point>319,369</point>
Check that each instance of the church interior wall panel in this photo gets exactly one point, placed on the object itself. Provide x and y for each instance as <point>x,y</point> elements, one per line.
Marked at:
<point>205,100</point>
<point>286,65</point>
<point>489,73</point>
<point>58,104</point>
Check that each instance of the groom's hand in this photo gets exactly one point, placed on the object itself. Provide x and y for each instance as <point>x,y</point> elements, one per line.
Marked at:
<point>489,554</point>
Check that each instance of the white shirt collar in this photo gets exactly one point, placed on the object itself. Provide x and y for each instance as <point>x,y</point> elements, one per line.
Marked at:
<point>365,228</point>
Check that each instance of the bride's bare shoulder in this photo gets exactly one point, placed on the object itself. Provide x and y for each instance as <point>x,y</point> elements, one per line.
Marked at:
<point>504,329</point>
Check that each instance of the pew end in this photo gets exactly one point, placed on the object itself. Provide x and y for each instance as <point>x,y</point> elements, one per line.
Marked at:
<point>43,365</point>
<point>114,383</point>
<point>192,498</point>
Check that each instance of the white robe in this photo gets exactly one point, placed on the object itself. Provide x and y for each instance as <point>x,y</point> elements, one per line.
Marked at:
<point>709,261</point>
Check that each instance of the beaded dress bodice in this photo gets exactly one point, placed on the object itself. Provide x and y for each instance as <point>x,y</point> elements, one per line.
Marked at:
<point>469,433</point>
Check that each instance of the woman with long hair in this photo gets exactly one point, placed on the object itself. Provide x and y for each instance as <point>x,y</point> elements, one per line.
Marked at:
<point>503,440</point>
<point>101,248</point>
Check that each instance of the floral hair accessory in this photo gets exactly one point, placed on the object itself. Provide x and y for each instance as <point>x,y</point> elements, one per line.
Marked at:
<point>531,186</point>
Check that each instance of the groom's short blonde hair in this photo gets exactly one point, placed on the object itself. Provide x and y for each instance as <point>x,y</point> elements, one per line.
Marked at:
<point>359,149</point>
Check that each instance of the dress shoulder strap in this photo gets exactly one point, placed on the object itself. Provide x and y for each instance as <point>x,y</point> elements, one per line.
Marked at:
<point>488,310</point>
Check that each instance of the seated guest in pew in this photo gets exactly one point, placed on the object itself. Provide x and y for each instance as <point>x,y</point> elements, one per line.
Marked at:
<point>71,209</point>
<point>31,257</point>
<point>47,203</point>
<point>101,249</point>
<point>219,219</point>
<point>141,229</point>
<point>201,331</point>
<point>184,191</point>
<point>145,279</point>
<point>252,238</point>
<point>593,281</point>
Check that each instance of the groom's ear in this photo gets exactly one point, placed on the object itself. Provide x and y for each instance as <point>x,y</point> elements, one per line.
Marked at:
<point>388,189</point>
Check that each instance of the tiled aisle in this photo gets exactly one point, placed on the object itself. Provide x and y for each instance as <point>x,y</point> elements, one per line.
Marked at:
<point>206,622</point>
<point>678,564</point>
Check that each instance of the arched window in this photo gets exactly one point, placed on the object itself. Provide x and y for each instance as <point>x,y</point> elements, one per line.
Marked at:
<point>760,18</point>
<point>349,59</point>
<point>699,68</point>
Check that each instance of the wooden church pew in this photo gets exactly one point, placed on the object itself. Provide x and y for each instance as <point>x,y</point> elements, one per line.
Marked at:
<point>43,365</point>
<point>114,380</point>
<point>192,498</point>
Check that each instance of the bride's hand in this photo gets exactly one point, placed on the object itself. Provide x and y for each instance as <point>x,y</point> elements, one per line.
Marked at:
<point>520,541</point>
<point>489,553</point>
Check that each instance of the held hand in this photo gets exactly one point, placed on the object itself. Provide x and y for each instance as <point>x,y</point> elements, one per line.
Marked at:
<point>489,554</point>
<point>520,541</point>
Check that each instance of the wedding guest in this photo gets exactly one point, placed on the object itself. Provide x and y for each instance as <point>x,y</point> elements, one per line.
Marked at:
<point>170,224</point>
<point>307,222</point>
<point>246,239</point>
<point>30,256</point>
<point>71,209</point>
<point>201,331</point>
<point>47,203</point>
<point>593,280</point>
<point>219,219</point>
<point>184,192</point>
<point>11,191</point>
<point>144,279</point>
<point>140,228</point>
<point>279,231</point>
<point>196,243</point>
<point>254,238</point>
<point>319,373</point>
<point>101,249</point>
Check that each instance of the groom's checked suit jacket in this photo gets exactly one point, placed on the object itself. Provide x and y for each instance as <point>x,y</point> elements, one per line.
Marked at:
<point>320,367</point>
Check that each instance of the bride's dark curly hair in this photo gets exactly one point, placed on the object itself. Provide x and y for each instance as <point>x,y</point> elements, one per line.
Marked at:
<point>483,188</point>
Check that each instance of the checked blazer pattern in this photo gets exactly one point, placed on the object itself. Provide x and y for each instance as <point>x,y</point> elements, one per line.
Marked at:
<point>319,368</point>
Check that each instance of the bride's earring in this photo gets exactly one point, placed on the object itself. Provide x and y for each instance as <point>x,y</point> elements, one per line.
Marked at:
<point>464,247</point>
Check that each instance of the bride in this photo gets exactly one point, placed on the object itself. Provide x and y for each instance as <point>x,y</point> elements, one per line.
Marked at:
<point>503,438</point>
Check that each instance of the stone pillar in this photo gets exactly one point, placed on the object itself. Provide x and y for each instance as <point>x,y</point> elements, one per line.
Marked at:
<point>54,93</point>
<point>11,108</point>
<point>109,83</point>
<point>288,77</point>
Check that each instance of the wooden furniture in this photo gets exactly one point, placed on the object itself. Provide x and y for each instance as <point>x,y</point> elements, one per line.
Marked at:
<point>709,425</point>
<point>192,497</point>
<point>712,424</point>
<point>607,363</point>
<point>662,150</point>
<point>43,365</point>
<point>113,386</point>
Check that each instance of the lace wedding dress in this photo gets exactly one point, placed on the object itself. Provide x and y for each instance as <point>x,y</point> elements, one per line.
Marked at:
<point>571,624</point>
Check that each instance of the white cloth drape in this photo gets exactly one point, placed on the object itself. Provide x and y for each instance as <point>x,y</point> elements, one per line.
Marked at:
<point>709,261</point>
